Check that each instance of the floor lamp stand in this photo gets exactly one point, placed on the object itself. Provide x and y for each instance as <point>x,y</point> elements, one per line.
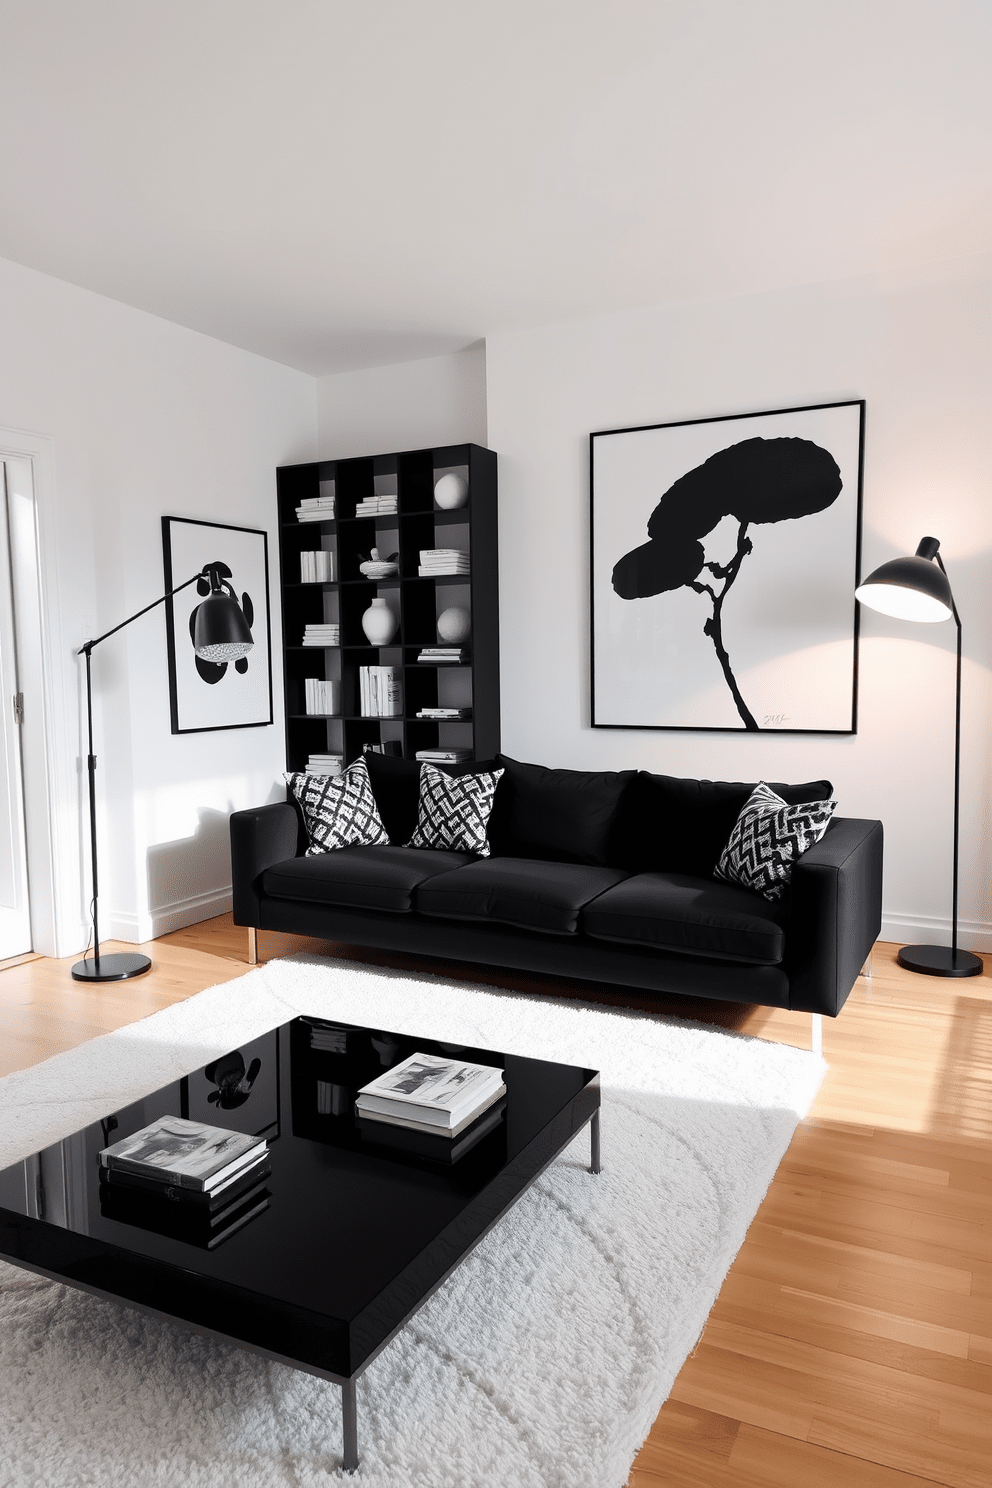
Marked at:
<point>947,961</point>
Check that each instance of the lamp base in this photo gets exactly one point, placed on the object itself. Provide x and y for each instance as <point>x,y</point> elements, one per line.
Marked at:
<point>115,968</point>
<point>939,961</point>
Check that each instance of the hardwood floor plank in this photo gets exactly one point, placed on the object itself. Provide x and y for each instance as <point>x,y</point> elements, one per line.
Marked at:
<point>781,1462</point>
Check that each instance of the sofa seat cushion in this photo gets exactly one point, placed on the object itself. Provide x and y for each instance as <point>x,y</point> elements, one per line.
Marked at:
<point>679,912</point>
<point>366,877</point>
<point>517,891</point>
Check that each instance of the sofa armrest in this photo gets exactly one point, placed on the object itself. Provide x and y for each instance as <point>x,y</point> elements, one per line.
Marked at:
<point>836,914</point>
<point>260,837</point>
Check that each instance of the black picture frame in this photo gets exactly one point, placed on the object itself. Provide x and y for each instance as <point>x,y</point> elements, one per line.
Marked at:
<point>664,653</point>
<point>199,700</point>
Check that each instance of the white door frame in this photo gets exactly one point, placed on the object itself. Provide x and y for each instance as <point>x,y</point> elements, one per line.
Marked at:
<point>49,684</point>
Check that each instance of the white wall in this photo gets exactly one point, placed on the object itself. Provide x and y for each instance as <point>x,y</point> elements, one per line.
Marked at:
<point>917,349</point>
<point>144,418</point>
<point>411,405</point>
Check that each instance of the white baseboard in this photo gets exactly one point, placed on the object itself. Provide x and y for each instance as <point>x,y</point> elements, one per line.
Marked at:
<point>138,928</point>
<point>906,929</point>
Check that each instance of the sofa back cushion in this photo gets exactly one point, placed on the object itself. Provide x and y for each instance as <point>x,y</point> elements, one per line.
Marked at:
<point>396,787</point>
<point>564,816</point>
<point>668,825</point>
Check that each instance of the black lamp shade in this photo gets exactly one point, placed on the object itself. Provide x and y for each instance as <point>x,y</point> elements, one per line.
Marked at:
<point>908,588</point>
<point>221,632</point>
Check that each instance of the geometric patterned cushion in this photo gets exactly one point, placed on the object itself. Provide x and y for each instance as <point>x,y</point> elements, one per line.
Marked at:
<point>339,811</point>
<point>453,812</point>
<point>768,838</point>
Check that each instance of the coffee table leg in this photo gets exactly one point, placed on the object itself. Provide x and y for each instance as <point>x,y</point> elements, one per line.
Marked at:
<point>349,1416</point>
<point>595,1166</point>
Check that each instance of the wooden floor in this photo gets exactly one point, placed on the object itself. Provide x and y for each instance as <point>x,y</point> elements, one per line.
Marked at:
<point>851,1344</point>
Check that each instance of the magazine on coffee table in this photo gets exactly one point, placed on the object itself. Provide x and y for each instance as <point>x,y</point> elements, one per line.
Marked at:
<point>188,1154</point>
<point>430,1090</point>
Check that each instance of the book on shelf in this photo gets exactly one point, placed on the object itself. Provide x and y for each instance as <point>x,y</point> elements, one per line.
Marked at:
<point>324,764</point>
<point>324,634</point>
<point>377,506</point>
<point>189,1154</point>
<point>322,697</point>
<point>443,561</point>
<point>225,1194</point>
<point>442,653</point>
<point>444,1147</point>
<point>317,567</point>
<point>444,756</point>
<point>445,715</point>
<point>381,691</point>
<point>316,509</point>
<point>428,1090</point>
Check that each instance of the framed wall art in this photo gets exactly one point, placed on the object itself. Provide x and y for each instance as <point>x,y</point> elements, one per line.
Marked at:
<point>207,695</point>
<point>724,557</point>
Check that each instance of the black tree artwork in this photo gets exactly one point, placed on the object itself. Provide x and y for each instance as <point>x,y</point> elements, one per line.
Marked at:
<point>756,481</point>
<point>213,671</point>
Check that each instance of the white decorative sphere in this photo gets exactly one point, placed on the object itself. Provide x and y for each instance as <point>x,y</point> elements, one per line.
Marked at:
<point>454,625</point>
<point>451,491</point>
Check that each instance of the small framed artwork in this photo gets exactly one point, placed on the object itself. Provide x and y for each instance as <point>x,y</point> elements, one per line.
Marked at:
<point>207,695</point>
<point>725,554</point>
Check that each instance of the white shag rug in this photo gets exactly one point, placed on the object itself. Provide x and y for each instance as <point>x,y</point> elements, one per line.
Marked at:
<point>541,1363</point>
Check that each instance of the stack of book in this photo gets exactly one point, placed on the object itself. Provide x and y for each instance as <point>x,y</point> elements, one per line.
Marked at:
<point>214,1177</point>
<point>434,1101</point>
<point>315,509</point>
<point>377,506</point>
<point>324,764</point>
<point>317,568</point>
<point>442,561</point>
<point>381,691</point>
<point>321,697</point>
<point>445,715</point>
<point>444,756</point>
<point>443,655</point>
<point>322,635</point>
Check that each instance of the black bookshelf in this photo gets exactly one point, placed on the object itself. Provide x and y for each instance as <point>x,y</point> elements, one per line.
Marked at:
<point>418,524</point>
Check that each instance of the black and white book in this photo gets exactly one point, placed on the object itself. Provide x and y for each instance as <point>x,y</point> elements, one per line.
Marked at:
<point>189,1154</point>
<point>418,1123</point>
<point>428,1142</point>
<point>228,1192</point>
<point>431,1090</point>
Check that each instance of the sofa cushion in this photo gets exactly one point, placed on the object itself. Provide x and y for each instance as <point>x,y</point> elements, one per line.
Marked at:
<point>339,811</point>
<point>768,839</point>
<point>516,891</point>
<point>454,813</point>
<point>366,877</point>
<point>668,825</point>
<point>565,816</point>
<point>679,912</point>
<point>396,787</point>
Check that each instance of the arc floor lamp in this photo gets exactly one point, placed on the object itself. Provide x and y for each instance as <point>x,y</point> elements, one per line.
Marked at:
<point>918,588</point>
<point>221,633</point>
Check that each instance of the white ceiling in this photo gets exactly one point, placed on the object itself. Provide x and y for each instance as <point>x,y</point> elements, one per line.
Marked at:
<point>341,183</point>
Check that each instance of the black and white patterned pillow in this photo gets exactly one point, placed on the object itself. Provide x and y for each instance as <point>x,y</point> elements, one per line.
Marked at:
<point>768,838</point>
<point>453,811</point>
<point>340,810</point>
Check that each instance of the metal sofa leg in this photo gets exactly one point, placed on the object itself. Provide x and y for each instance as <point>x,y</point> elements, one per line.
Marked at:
<point>252,946</point>
<point>816,1033</point>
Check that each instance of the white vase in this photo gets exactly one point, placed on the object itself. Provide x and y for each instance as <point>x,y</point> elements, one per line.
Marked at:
<point>454,625</point>
<point>451,491</point>
<point>379,623</point>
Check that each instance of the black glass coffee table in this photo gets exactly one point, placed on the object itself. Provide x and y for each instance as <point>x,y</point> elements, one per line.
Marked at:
<point>351,1232</point>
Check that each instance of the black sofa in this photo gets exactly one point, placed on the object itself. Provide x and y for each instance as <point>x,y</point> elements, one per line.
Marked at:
<point>602,876</point>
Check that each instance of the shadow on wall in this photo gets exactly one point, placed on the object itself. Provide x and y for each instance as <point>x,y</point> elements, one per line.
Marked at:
<point>191,867</point>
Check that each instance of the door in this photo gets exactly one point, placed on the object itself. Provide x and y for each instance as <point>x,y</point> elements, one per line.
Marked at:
<point>15,920</point>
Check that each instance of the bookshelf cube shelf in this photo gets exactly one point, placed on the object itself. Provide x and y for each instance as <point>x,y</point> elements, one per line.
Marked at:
<point>407,522</point>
